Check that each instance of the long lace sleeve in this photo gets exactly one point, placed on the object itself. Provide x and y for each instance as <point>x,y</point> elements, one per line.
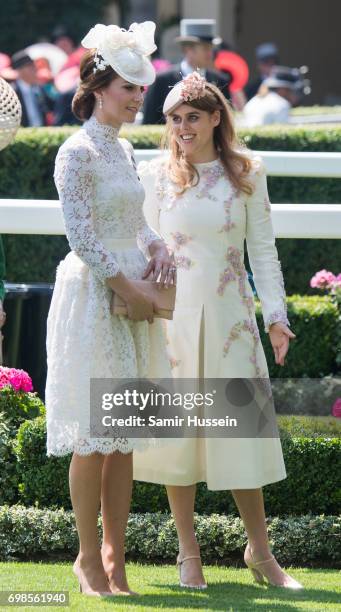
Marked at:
<point>151,230</point>
<point>145,235</point>
<point>262,251</point>
<point>74,179</point>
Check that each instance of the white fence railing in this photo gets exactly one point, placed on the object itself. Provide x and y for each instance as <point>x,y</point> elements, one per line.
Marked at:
<point>283,163</point>
<point>289,220</point>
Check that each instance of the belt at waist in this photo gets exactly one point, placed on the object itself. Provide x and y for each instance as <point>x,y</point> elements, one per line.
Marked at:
<point>119,243</point>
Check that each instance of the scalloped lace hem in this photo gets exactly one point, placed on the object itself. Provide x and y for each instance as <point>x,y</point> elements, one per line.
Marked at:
<point>124,446</point>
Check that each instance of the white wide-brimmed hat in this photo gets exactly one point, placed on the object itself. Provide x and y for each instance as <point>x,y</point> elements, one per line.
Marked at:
<point>10,114</point>
<point>126,51</point>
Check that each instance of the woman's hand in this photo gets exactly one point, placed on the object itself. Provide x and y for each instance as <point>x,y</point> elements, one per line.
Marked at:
<point>280,335</point>
<point>161,264</point>
<point>140,307</point>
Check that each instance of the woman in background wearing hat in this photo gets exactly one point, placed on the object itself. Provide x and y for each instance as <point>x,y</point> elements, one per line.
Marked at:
<point>102,199</point>
<point>283,89</point>
<point>205,199</point>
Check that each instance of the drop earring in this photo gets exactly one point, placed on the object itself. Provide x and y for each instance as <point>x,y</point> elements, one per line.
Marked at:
<point>101,103</point>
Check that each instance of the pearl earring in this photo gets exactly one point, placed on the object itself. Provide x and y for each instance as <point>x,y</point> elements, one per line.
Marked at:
<point>101,103</point>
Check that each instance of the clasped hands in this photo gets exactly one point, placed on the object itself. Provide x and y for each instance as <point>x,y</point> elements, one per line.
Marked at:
<point>160,267</point>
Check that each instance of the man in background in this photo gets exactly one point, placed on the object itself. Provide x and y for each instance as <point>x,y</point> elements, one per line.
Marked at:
<point>197,39</point>
<point>267,56</point>
<point>34,101</point>
<point>283,89</point>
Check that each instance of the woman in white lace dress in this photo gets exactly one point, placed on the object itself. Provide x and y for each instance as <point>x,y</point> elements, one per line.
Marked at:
<point>102,199</point>
<point>205,199</point>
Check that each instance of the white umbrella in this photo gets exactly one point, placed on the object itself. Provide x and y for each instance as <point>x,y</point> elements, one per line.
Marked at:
<point>52,53</point>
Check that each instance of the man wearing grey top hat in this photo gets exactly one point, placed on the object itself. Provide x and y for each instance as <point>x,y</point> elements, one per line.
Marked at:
<point>197,38</point>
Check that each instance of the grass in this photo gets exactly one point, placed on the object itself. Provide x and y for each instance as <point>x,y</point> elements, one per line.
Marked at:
<point>230,589</point>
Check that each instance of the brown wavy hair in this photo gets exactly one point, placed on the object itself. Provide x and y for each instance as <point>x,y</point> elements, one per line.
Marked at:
<point>231,152</point>
<point>83,101</point>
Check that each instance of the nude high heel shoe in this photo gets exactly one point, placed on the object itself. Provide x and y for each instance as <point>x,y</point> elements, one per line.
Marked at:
<point>96,594</point>
<point>258,573</point>
<point>92,593</point>
<point>180,562</point>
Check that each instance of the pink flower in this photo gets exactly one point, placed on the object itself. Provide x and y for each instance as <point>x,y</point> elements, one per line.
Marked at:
<point>15,381</point>
<point>18,379</point>
<point>193,87</point>
<point>336,409</point>
<point>323,280</point>
<point>26,382</point>
<point>4,380</point>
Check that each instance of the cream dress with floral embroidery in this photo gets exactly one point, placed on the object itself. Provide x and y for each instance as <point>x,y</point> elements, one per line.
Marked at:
<point>214,333</point>
<point>102,202</point>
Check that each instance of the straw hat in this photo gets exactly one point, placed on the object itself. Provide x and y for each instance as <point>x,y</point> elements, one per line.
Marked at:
<point>10,114</point>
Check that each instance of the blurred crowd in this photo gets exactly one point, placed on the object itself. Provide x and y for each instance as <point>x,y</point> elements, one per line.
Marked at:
<point>45,77</point>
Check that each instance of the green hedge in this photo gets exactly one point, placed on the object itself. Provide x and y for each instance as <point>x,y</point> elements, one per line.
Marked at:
<point>41,477</point>
<point>9,477</point>
<point>15,408</point>
<point>309,427</point>
<point>19,406</point>
<point>314,320</point>
<point>26,169</point>
<point>313,483</point>
<point>309,540</point>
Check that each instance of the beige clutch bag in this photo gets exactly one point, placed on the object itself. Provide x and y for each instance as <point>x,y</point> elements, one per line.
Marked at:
<point>164,299</point>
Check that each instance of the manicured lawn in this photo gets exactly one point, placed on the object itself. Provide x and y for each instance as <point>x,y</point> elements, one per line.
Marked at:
<point>230,590</point>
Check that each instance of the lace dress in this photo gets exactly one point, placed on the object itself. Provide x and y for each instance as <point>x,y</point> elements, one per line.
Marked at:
<point>214,332</point>
<point>102,200</point>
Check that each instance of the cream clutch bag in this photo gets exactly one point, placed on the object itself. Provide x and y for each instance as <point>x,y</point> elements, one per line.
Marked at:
<point>164,299</point>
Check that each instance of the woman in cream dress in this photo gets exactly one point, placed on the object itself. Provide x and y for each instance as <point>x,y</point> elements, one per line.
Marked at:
<point>205,199</point>
<point>102,200</point>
